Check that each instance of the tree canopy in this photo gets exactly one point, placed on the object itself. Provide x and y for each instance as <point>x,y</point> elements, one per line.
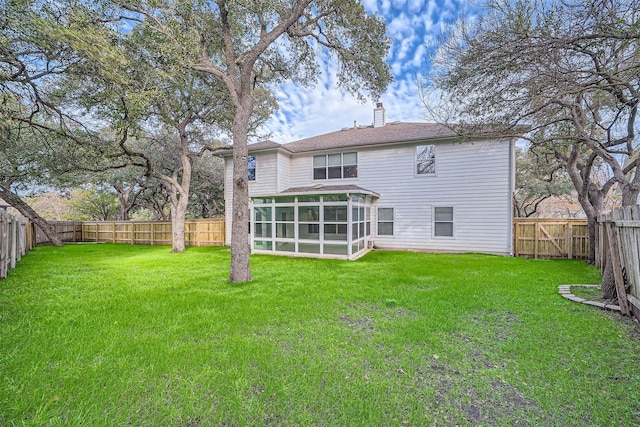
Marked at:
<point>567,71</point>
<point>539,176</point>
<point>41,44</point>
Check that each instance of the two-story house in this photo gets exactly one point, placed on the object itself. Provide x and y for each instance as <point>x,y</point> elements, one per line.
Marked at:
<point>410,186</point>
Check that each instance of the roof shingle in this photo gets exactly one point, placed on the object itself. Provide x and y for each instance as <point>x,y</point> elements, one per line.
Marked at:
<point>329,189</point>
<point>368,135</point>
<point>360,136</point>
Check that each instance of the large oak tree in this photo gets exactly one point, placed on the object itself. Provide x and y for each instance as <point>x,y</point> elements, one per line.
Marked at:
<point>249,45</point>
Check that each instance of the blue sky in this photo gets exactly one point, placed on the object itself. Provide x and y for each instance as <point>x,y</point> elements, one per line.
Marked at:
<point>413,25</point>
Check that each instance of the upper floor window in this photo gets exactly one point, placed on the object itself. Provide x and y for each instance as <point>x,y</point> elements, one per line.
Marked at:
<point>426,159</point>
<point>335,166</point>
<point>252,168</point>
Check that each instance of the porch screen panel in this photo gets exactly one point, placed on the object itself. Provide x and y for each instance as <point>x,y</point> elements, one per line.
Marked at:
<point>309,222</point>
<point>335,223</point>
<point>285,226</point>
<point>262,219</point>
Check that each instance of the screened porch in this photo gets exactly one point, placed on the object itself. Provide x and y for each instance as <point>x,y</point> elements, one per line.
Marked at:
<point>309,222</point>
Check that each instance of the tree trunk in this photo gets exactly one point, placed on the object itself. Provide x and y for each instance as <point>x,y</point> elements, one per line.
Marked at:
<point>240,249</point>
<point>28,212</point>
<point>630,195</point>
<point>591,226</point>
<point>178,216</point>
<point>123,198</point>
<point>608,289</point>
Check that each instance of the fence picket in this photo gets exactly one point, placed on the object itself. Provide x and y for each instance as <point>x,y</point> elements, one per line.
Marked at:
<point>551,238</point>
<point>621,229</point>
<point>13,241</point>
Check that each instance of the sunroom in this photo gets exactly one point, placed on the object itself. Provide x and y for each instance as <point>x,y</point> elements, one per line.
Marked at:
<point>318,221</point>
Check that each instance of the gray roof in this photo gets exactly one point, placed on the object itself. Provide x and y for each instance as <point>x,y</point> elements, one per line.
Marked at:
<point>329,189</point>
<point>263,145</point>
<point>257,146</point>
<point>368,135</point>
<point>359,136</point>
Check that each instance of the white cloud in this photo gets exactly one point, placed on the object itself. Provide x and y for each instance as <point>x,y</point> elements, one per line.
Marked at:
<point>413,25</point>
<point>371,6</point>
<point>404,47</point>
<point>385,7</point>
<point>399,26</point>
<point>415,6</point>
<point>418,56</point>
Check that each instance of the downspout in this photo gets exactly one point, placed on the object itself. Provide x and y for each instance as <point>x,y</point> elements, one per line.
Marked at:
<point>512,188</point>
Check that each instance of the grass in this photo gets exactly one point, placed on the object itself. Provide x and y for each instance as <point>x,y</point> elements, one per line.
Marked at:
<point>119,335</point>
<point>589,294</point>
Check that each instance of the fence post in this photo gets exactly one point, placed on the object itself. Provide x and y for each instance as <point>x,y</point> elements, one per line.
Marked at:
<point>516,246</point>
<point>569,241</point>
<point>3,243</point>
<point>616,263</point>
<point>13,241</point>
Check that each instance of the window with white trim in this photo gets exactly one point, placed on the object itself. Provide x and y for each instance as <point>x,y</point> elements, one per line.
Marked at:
<point>335,166</point>
<point>443,221</point>
<point>426,159</point>
<point>385,221</point>
<point>251,167</point>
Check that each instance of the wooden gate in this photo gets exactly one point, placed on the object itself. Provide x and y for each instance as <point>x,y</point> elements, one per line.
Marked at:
<point>551,238</point>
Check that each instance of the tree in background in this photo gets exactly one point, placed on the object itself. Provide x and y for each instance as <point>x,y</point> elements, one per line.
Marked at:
<point>166,114</point>
<point>94,204</point>
<point>155,201</point>
<point>50,206</point>
<point>248,46</point>
<point>539,176</point>
<point>128,188</point>
<point>207,187</point>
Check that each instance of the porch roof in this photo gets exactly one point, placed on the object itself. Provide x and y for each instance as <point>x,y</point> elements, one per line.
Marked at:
<point>328,189</point>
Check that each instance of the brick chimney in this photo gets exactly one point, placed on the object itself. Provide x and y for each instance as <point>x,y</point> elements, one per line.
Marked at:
<point>379,116</point>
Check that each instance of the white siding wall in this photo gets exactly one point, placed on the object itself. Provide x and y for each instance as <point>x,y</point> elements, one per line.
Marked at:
<point>228,197</point>
<point>267,167</point>
<point>302,171</point>
<point>474,178</point>
<point>283,171</point>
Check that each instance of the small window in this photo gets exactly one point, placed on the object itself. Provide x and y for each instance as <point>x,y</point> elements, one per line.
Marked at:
<point>385,221</point>
<point>335,166</point>
<point>350,165</point>
<point>252,168</point>
<point>443,222</point>
<point>426,159</point>
<point>320,167</point>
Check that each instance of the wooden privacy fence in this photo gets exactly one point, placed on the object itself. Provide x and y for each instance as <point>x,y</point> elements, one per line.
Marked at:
<point>15,241</point>
<point>68,231</point>
<point>618,242</point>
<point>198,232</point>
<point>551,238</point>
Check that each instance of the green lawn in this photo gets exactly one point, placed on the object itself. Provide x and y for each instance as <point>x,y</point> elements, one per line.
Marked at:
<point>132,335</point>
